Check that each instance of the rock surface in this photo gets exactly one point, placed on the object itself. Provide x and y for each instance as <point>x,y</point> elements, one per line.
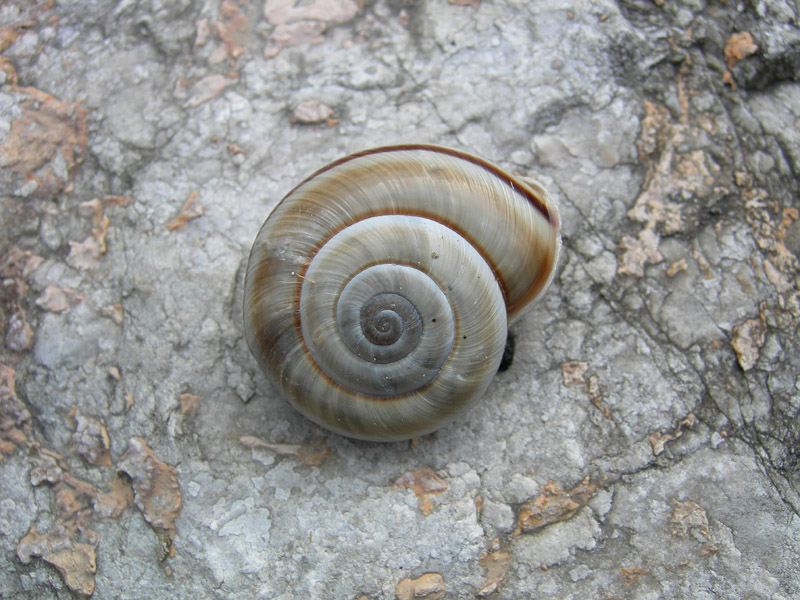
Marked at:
<point>644,442</point>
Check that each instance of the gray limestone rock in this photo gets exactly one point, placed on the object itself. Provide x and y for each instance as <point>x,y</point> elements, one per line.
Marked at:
<point>644,442</point>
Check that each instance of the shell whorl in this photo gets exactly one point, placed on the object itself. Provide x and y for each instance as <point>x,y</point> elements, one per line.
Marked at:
<point>379,290</point>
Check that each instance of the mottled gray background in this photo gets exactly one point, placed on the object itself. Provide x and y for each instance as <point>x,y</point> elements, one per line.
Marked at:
<point>644,443</point>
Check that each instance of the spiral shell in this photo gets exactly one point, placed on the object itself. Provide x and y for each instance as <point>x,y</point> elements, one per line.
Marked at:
<point>379,291</point>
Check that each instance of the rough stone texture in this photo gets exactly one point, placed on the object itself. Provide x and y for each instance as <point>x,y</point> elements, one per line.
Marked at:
<point>649,420</point>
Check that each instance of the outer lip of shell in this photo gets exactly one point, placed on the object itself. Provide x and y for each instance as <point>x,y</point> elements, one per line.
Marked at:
<point>534,191</point>
<point>274,338</point>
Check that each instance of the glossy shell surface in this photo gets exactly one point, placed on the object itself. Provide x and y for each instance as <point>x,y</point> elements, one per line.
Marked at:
<point>379,291</point>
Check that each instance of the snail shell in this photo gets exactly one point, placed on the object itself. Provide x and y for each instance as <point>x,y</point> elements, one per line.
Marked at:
<point>379,291</point>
